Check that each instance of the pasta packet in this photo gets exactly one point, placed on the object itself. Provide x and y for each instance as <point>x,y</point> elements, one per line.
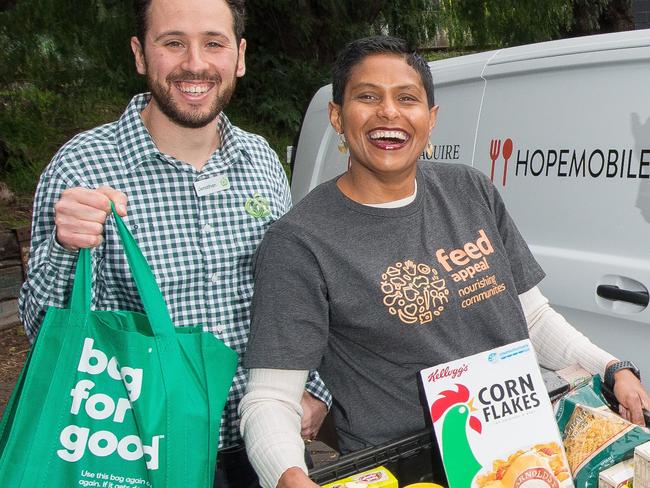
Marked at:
<point>594,437</point>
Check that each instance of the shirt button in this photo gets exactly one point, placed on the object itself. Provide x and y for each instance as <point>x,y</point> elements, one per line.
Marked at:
<point>214,278</point>
<point>220,328</point>
<point>207,228</point>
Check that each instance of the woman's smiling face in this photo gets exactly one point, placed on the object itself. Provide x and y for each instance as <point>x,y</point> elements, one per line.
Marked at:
<point>384,116</point>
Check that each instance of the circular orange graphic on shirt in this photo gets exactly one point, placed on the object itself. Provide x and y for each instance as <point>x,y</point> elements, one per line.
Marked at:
<point>414,292</point>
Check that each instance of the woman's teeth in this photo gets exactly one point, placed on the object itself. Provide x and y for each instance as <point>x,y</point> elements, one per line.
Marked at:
<point>395,135</point>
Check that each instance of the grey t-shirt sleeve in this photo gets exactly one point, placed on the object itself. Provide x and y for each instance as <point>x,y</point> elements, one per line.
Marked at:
<point>289,324</point>
<point>526,272</point>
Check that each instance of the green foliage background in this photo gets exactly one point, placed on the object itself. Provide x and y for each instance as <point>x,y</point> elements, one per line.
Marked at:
<point>67,66</point>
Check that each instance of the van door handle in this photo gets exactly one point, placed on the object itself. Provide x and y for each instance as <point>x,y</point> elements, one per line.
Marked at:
<point>613,292</point>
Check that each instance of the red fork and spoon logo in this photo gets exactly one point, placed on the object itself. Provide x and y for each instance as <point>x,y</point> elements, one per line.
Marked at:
<point>495,150</point>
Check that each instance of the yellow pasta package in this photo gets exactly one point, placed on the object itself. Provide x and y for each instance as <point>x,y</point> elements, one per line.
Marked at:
<point>595,438</point>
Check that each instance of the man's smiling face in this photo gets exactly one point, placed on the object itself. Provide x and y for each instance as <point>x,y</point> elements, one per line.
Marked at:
<point>191,58</point>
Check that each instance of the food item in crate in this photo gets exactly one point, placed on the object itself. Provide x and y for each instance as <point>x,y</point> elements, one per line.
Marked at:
<point>575,375</point>
<point>620,475</point>
<point>378,477</point>
<point>588,430</point>
<point>494,421</point>
<point>595,438</point>
<point>423,485</point>
<point>642,465</point>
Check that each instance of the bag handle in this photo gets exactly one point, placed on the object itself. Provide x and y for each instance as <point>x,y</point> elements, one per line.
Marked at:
<point>154,304</point>
<point>152,299</point>
<point>82,285</point>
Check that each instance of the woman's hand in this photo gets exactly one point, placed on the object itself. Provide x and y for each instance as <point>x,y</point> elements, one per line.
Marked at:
<point>631,395</point>
<point>295,478</point>
<point>314,412</point>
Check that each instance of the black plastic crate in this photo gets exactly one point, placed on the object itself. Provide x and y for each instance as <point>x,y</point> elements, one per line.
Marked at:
<point>411,459</point>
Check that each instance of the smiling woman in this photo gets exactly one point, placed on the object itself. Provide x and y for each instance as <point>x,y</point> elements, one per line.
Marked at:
<point>391,268</point>
<point>386,115</point>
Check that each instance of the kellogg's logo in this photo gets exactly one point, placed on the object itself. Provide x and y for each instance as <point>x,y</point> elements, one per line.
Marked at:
<point>446,372</point>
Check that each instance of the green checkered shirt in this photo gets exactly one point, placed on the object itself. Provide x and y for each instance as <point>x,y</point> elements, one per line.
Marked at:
<point>199,247</point>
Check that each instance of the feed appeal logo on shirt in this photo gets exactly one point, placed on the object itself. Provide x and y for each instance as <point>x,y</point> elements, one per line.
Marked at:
<point>75,439</point>
<point>417,293</point>
<point>469,265</point>
<point>414,292</point>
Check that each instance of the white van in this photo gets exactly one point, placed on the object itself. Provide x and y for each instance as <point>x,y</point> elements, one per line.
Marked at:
<point>563,130</point>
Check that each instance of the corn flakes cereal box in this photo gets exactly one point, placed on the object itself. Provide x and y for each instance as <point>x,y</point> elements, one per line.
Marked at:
<point>494,422</point>
<point>378,477</point>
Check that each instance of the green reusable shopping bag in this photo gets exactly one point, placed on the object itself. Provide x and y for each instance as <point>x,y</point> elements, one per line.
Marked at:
<point>116,399</point>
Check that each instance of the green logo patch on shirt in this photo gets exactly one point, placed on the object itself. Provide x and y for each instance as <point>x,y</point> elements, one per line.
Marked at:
<point>257,206</point>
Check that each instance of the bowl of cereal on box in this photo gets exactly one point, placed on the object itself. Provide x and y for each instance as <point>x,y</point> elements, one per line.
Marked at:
<point>542,465</point>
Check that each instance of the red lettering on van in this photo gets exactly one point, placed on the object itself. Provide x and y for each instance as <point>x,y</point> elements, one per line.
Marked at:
<point>496,150</point>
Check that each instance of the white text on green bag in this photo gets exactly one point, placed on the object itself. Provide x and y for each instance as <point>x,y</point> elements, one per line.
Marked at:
<point>99,406</point>
<point>103,443</point>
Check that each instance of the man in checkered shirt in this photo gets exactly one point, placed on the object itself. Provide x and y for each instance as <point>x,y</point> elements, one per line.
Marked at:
<point>201,193</point>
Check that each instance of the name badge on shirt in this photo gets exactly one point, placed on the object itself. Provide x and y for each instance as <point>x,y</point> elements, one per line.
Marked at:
<point>209,186</point>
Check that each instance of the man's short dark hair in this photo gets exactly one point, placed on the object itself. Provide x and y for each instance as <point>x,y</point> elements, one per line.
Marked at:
<point>356,51</point>
<point>141,11</point>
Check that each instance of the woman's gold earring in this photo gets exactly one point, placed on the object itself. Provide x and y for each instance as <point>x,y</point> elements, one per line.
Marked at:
<point>343,144</point>
<point>429,150</point>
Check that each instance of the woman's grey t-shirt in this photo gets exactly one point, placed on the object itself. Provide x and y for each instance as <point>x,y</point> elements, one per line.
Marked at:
<point>370,296</point>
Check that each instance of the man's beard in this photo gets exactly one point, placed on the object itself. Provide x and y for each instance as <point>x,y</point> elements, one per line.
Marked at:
<point>192,119</point>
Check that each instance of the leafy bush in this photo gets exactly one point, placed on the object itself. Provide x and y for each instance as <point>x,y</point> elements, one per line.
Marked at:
<point>59,76</point>
<point>67,65</point>
<point>35,122</point>
<point>279,97</point>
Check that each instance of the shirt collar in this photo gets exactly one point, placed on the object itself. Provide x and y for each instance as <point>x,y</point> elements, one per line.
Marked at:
<point>135,145</point>
<point>232,147</point>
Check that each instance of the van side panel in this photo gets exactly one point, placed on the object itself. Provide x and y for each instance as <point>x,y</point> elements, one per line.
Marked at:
<point>458,94</point>
<point>577,180</point>
<point>317,157</point>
